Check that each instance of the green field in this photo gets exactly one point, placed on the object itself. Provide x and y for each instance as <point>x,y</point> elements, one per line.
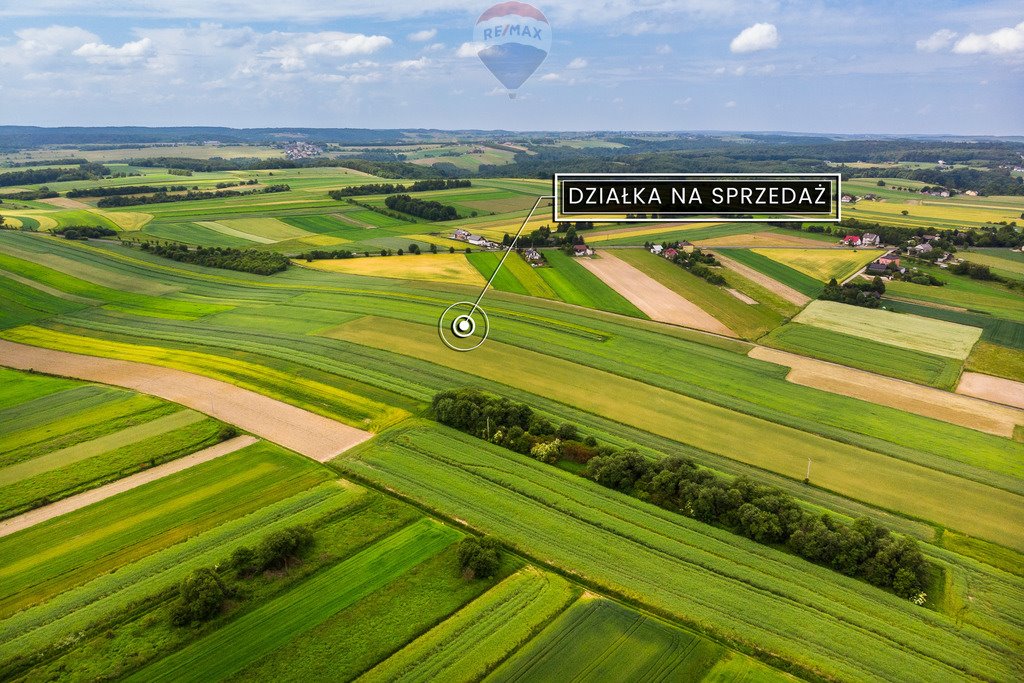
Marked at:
<point>995,330</point>
<point>574,284</point>
<point>750,594</point>
<point>598,639</point>
<point>480,636</point>
<point>977,296</point>
<point>927,335</point>
<point>749,321</point>
<point>1000,361</point>
<point>866,354</point>
<point>263,630</point>
<point>823,264</point>
<point>801,282</point>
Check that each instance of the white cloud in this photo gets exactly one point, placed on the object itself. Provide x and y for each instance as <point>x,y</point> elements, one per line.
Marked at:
<point>52,39</point>
<point>1002,42</point>
<point>551,78</point>
<point>939,40</point>
<point>423,36</point>
<point>730,104</point>
<point>683,101</point>
<point>101,53</point>
<point>335,44</point>
<point>469,50</point>
<point>663,50</point>
<point>760,36</point>
<point>578,63</point>
<point>413,64</point>
<point>434,47</point>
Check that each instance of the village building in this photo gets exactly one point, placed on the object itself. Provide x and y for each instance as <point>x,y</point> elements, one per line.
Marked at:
<point>851,241</point>
<point>657,249</point>
<point>582,250</point>
<point>870,239</point>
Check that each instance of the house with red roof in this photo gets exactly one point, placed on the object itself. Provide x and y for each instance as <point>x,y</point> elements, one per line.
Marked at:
<point>851,241</point>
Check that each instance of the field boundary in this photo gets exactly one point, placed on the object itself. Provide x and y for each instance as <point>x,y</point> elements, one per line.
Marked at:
<point>77,502</point>
<point>309,434</point>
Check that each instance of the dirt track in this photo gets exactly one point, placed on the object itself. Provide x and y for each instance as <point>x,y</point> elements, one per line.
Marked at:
<point>61,507</point>
<point>996,389</point>
<point>312,435</point>
<point>772,285</point>
<point>650,296</point>
<point>913,398</point>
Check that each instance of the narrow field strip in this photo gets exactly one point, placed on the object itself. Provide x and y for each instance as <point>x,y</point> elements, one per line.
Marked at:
<point>895,393</point>
<point>482,634</point>
<point>10,526</point>
<point>786,292</point>
<point>656,300</point>
<point>1005,391</point>
<point>267,628</point>
<point>312,435</point>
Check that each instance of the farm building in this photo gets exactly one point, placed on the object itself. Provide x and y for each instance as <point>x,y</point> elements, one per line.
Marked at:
<point>670,253</point>
<point>847,198</point>
<point>923,248</point>
<point>877,268</point>
<point>852,240</point>
<point>890,258</point>
<point>532,255</point>
<point>582,250</point>
<point>657,249</point>
<point>461,234</point>
<point>870,239</point>
<point>687,247</point>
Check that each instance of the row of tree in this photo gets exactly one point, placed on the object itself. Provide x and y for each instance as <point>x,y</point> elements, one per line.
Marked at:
<point>191,195</point>
<point>855,293</point>
<point>429,210</point>
<point>763,513</point>
<point>391,188</point>
<point>86,171</point>
<point>82,232</point>
<point>246,261</point>
<point>124,189</point>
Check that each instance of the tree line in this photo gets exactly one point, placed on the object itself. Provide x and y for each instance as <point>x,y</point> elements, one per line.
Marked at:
<point>191,195</point>
<point>86,171</point>
<point>81,232</point>
<point>430,210</point>
<point>246,261</point>
<point>124,189</point>
<point>765,514</point>
<point>389,188</point>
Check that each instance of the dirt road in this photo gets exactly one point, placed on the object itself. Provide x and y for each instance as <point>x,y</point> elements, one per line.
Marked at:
<point>312,435</point>
<point>650,296</point>
<point>61,507</point>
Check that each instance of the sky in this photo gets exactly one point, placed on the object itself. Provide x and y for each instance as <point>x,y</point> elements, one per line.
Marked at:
<point>893,66</point>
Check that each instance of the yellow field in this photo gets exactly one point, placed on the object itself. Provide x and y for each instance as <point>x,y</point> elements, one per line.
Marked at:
<point>128,220</point>
<point>45,222</point>
<point>760,239</point>
<point>12,222</point>
<point>823,264</point>
<point>441,242</point>
<point>643,231</point>
<point>268,228</point>
<point>934,209</point>
<point>428,267</point>
<point>938,337</point>
<point>321,241</point>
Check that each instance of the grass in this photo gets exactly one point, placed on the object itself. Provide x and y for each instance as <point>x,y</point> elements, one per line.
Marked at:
<point>374,627</point>
<point>331,401</point>
<point>427,267</point>
<point>801,282</point>
<point>749,321</point>
<point>480,636</point>
<point>960,291</point>
<point>24,304</point>
<point>1000,361</point>
<point>994,330</point>
<point>749,594</point>
<point>927,335</point>
<point>49,558</point>
<point>896,485</point>
<point>599,639</point>
<point>39,636</point>
<point>261,631</point>
<point>866,354</point>
<point>823,264</point>
<point>515,275</point>
<point>1000,261</point>
<point>574,284</point>
<point>22,387</point>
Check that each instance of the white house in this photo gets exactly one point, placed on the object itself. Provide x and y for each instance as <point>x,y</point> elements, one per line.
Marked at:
<point>657,249</point>
<point>870,239</point>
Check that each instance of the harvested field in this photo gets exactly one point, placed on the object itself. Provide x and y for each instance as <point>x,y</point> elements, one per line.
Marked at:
<point>771,284</point>
<point>650,296</point>
<point>10,526</point>
<point>895,393</point>
<point>992,389</point>
<point>304,432</point>
<point>65,203</point>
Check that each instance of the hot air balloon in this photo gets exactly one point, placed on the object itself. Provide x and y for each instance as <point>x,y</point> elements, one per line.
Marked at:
<point>515,39</point>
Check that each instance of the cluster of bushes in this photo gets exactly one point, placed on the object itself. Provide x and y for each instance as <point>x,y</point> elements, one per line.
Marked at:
<point>765,514</point>
<point>28,195</point>
<point>697,262</point>
<point>389,188</point>
<point>86,171</point>
<point>246,261</point>
<point>918,278</point>
<point>192,195</point>
<point>202,594</point>
<point>236,183</point>
<point>179,171</point>
<point>378,209</point>
<point>513,425</point>
<point>318,254</point>
<point>479,558</point>
<point>124,189</point>
<point>430,210</point>
<point>866,294</point>
<point>974,271</point>
<point>82,232</point>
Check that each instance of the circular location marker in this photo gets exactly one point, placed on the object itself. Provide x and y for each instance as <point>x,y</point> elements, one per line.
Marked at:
<point>460,321</point>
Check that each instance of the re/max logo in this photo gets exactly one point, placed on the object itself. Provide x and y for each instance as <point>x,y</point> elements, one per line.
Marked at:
<point>512,30</point>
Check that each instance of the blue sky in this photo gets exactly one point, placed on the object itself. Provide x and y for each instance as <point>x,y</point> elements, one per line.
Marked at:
<point>859,67</point>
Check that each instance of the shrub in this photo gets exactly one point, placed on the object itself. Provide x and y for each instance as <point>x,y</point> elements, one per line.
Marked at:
<point>201,597</point>
<point>479,558</point>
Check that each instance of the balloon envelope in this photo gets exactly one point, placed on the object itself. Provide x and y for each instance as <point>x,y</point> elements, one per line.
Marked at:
<point>514,40</point>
